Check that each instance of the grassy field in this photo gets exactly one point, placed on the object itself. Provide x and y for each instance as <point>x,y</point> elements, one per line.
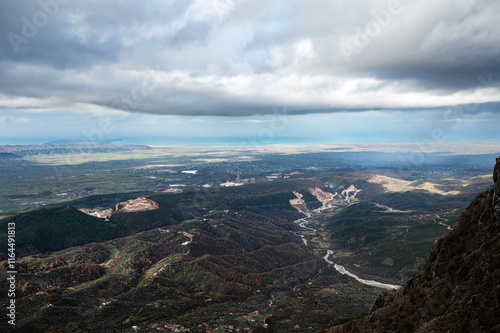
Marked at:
<point>113,254</point>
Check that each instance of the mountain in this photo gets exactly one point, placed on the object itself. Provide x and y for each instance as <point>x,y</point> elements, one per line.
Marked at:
<point>458,288</point>
<point>7,155</point>
<point>52,229</point>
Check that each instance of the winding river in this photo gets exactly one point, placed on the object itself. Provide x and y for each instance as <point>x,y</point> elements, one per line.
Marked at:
<point>339,268</point>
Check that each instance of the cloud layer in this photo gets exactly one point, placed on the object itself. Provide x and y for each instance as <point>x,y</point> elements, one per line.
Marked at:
<point>245,57</point>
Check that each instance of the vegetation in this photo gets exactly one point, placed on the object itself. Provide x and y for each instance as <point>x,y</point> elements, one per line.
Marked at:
<point>215,256</point>
<point>52,229</point>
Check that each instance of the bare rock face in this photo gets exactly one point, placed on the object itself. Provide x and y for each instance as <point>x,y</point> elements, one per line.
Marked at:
<point>347,192</point>
<point>327,199</point>
<point>458,289</point>
<point>130,206</point>
<point>136,205</point>
<point>299,204</point>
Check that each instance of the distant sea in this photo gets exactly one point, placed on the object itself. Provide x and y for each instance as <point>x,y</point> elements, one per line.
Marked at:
<point>15,142</point>
<point>223,142</point>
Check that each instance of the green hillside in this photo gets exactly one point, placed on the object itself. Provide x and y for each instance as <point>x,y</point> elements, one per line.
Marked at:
<point>52,229</point>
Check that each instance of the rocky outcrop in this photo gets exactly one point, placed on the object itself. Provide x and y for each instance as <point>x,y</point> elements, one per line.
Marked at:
<point>327,199</point>
<point>458,289</point>
<point>100,213</point>
<point>496,189</point>
<point>299,204</point>
<point>136,205</point>
<point>351,190</point>
<point>130,206</point>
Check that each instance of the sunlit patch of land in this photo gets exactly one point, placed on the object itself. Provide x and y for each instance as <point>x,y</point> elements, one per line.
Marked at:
<point>151,166</point>
<point>391,184</point>
<point>75,158</point>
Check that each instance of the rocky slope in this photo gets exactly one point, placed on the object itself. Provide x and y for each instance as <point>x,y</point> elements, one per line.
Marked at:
<point>458,289</point>
<point>129,206</point>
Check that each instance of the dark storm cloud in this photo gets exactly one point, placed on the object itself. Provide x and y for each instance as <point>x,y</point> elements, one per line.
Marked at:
<point>243,57</point>
<point>50,44</point>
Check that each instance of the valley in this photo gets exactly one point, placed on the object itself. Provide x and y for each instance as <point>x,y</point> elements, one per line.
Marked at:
<point>309,238</point>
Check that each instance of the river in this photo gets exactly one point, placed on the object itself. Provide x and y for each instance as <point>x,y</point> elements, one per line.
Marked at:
<point>339,268</point>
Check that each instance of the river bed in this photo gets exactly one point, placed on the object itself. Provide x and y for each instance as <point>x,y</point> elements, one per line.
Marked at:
<point>339,268</point>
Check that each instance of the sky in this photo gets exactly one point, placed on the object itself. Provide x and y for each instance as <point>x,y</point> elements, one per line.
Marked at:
<point>249,71</point>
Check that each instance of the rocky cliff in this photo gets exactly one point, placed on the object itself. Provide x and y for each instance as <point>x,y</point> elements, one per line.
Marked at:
<point>458,289</point>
